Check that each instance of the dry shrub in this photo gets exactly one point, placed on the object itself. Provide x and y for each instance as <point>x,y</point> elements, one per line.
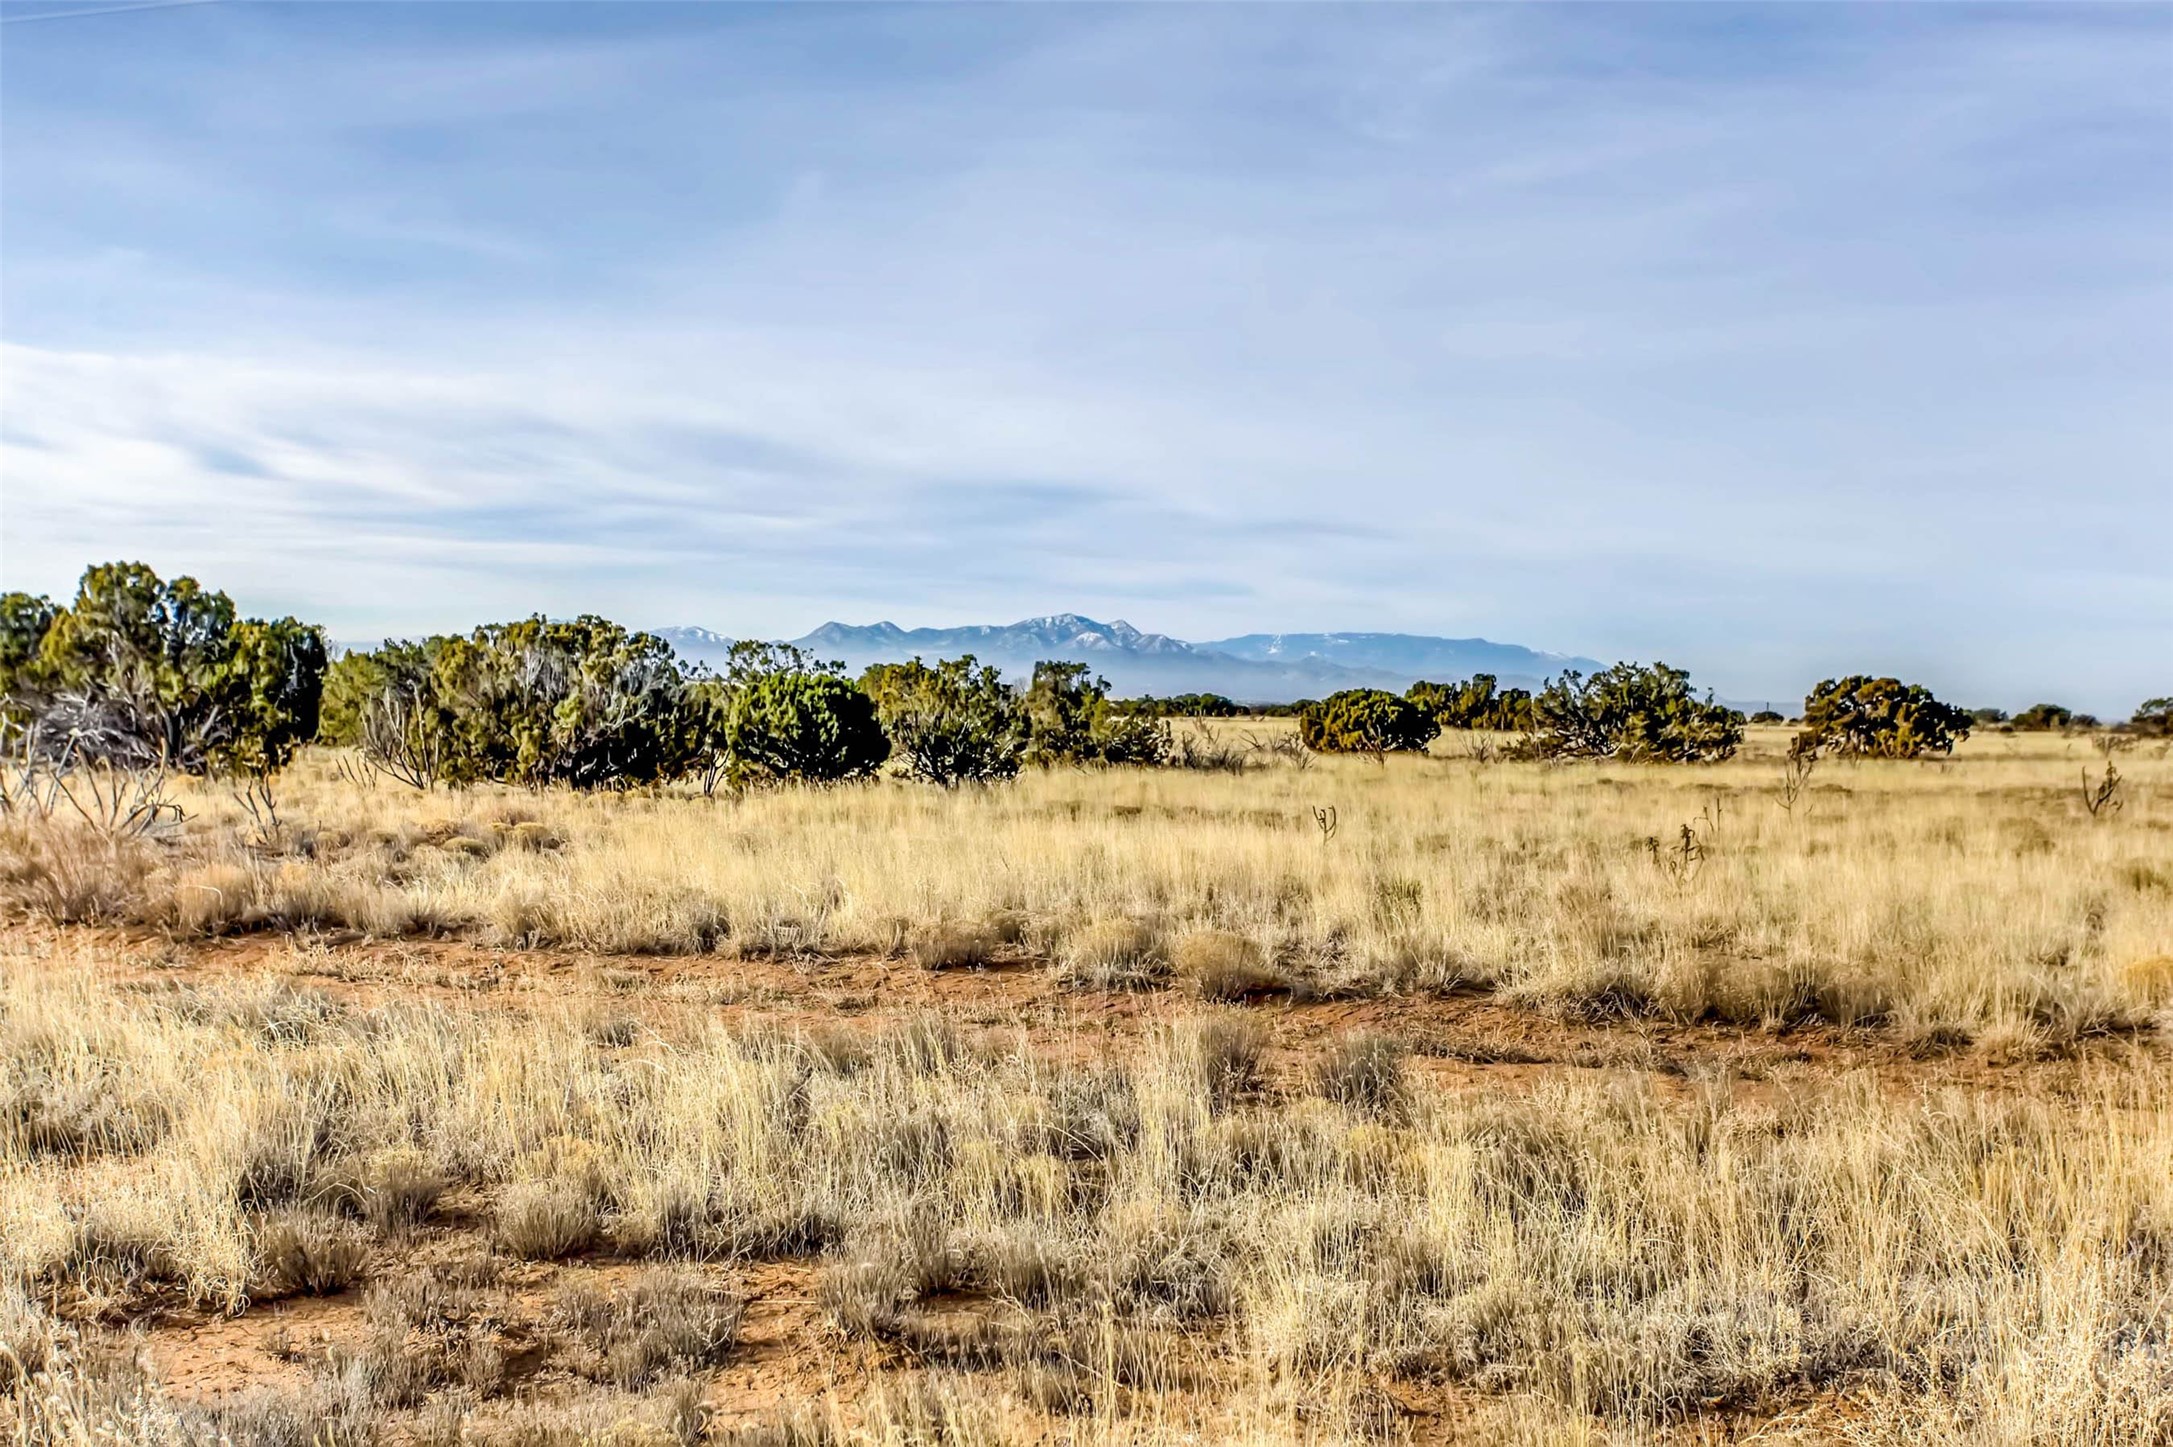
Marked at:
<point>430,1330</point>
<point>1220,965</point>
<point>1215,1057</point>
<point>394,1189</point>
<point>660,1323</point>
<point>2150,978</point>
<point>331,1412</point>
<point>307,1253</point>
<point>70,875</point>
<point>952,946</point>
<point>1113,954</point>
<point>543,1220</point>
<point>26,1337</point>
<point>1028,1263</point>
<point>1523,878</point>
<point>1364,1071</point>
<point>860,1298</point>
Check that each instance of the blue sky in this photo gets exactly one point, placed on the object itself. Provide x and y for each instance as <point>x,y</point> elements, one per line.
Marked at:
<point>1775,342</point>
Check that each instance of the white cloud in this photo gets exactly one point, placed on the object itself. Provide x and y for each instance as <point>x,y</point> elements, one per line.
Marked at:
<point>1582,329</point>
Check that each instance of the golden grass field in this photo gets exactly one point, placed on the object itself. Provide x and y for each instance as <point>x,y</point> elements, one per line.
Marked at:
<point>1526,1104</point>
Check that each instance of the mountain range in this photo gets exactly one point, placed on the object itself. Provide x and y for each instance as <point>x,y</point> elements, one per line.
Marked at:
<point>1251,668</point>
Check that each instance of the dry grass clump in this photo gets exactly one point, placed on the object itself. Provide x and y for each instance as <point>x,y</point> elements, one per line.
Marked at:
<point>544,1220</point>
<point>1113,954</point>
<point>395,1188</point>
<point>26,1337</point>
<point>663,1322</point>
<point>947,945</point>
<point>1365,1071</point>
<point>307,1253</point>
<point>1220,965</point>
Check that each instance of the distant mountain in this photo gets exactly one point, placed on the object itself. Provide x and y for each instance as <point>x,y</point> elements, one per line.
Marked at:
<point>1407,655</point>
<point>1257,668</point>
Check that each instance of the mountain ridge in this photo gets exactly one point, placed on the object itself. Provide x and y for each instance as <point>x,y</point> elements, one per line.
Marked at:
<point>1251,668</point>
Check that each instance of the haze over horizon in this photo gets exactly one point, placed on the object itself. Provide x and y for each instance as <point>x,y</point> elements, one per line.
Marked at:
<point>1775,342</point>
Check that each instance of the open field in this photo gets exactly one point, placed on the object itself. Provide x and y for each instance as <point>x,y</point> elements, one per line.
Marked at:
<point>1445,1100</point>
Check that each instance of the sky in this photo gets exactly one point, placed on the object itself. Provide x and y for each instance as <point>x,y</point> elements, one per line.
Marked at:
<point>1776,342</point>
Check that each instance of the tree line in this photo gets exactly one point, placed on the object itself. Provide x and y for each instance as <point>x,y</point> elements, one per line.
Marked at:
<point>139,672</point>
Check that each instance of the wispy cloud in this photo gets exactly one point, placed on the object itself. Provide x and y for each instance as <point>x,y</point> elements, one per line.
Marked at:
<point>1770,340</point>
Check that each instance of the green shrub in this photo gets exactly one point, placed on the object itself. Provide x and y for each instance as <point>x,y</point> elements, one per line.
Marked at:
<point>1186,705</point>
<point>1884,718</point>
<point>350,681</point>
<point>138,672</point>
<point>953,723</point>
<point>780,713</point>
<point>24,621</point>
<point>1632,712</point>
<point>2154,717</point>
<point>2043,718</point>
<point>809,726</point>
<point>1070,719</point>
<point>582,703</point>
<point>1365,721</point>
<point>1476,703</point>
<point>393,705</point>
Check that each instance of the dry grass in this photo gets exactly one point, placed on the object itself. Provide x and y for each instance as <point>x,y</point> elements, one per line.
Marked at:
<point>1959,1267</point>
<point>1975,893</point>
<point>544,1214</point>
<point>1113,954</point>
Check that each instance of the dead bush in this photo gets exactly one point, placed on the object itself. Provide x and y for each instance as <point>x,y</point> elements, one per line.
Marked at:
<point>394,1189</point>
<point>1220,965</point>
<point>26,1337</point>
<point>546,1220</point>
<point>952,946</point>
<point>307,1253</point>
<point>69,875</point>
<point>1218,1056</point>
<point>1113,954</point>
<point>1364,1071</point>
<point>662,1322</point>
